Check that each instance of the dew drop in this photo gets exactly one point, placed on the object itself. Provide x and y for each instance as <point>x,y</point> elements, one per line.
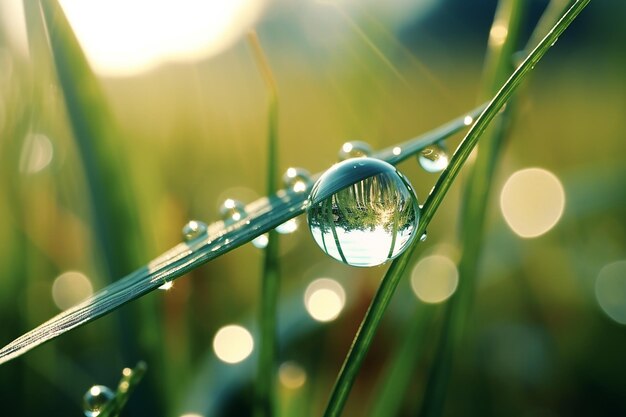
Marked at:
<point>95,399</point>
<point>354,149</point>
<point>193,230</point>
<point>288,227</point>
<point>297,179</point>
<point>260,241</point>
<point>369,221</point>
<point>433,158</point>
<point>423,237</point>
<point>232,211</point>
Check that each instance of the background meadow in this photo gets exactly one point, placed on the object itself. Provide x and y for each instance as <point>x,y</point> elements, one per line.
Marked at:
<point>546,333</point>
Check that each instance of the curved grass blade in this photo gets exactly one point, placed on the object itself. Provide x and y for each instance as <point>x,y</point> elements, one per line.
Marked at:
<point>265,214</point>
<point>379,303</point>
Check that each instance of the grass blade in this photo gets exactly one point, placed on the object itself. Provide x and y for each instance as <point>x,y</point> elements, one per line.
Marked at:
<point>264,214</point>
<point>371,321</point>
<point>270,280</point>
<point>128,382</point>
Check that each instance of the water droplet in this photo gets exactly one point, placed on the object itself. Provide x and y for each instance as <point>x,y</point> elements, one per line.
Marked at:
<point>193,230</point>
<point>297,179</point>
<point>232,211</point>
<point>95,399</point>
<point>167,286</point>
<point>423,237</point>
<point>365,223</point>
<point>261,241</point>
<point>354,149</point>
<point>468,120</point>
<point>289,226</point>
<point>433,158</point>
<point>396,150</point>
<point>552,44</point>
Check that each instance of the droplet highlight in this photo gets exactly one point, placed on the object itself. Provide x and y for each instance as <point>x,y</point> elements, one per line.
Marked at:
<point>261,241</point>
<point>232,211</point>
<point>363,212</point>
<point>354,149</point>
<point>95,399</point>
<point>433,158</point>
<point>297,180</point>
<point>193,230</point>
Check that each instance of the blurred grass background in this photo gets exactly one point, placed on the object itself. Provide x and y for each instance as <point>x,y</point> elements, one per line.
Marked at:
<point>193,134</point>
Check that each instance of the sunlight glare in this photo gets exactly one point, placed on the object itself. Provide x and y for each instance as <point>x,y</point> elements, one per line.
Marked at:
<point>122,38</point>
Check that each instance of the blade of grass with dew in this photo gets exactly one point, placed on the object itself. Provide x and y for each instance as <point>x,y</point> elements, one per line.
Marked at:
<point>128,382</point>
<point>264,401</point>
<point>475,204</point>
<point>379,303</point>
<point>264,214</point>
<point>504,37</point>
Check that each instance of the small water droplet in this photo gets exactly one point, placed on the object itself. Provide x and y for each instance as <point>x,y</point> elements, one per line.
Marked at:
<point>423,237</point>
<point>297,179</point>
<point>289,226</point>
<point>232,211</point>
<point>468,120</point>
<point>433,158</point>
<point>366,223</point>
<point>193,230</point>
<point>396,150</point>
<point>261,241</point>
<point>354,149</point>
<point>95,399</point>
<point>555,41</point>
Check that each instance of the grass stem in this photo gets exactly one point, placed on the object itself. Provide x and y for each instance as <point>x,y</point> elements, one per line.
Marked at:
<point>371,321</point>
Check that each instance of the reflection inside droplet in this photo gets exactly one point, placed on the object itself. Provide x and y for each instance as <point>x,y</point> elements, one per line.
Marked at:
<point>193,230</point>
<point>368,222</point>
<point>95,399</point>
<point>324,299</point>
<point>232,210</point>
<point>297,179</point>
<point>433,158</point>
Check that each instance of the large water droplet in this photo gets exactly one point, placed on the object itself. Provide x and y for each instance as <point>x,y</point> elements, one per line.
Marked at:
<point>193,230</point>
<point>297,179</point>
<point>95,399</point>
<point>365,223</point>
<point>354,149</point>
<point>232,211</point>
<point>433,158</point>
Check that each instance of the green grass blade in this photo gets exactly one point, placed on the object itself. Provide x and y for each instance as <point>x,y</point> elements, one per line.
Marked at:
<point>498,65</point>
<point>371,321</point>
<point>270,280</point>
<point>264,214</point>
<point>128,383</point>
